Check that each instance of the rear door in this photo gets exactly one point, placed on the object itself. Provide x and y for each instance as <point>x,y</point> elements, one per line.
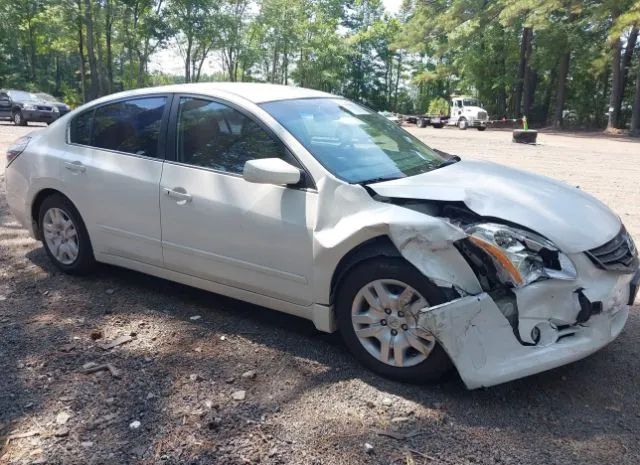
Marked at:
<point>216,225</point>
<point>112,169</point>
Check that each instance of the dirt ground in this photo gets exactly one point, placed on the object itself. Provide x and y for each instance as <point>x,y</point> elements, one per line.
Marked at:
<point>170,398</point>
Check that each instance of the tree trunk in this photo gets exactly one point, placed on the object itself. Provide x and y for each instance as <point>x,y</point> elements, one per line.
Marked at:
<point>635,115</point>
<point>528,83</point>
<point>93,65</point>
<point>32,51</point>
<point>524,47</point>
<point>83,72</point>
<point>501,104</point>
<point>546,104</point>
<point>99,50</point>
<point>625,66</point>
<point>397,84</point>
<point>274,64</point>
<point>562,89</point>
<point>187,61</point>
<point>616,82</point>
<point>108,34</point>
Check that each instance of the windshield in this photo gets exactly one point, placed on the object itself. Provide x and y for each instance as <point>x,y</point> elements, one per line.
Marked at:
<point>472,102</point>
<point>47,97</point>
<point>21,95</point>
<point>352,142</point>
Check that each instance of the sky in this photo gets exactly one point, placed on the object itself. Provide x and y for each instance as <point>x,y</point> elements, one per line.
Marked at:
<point>169,60</point>
<point>392,6</point>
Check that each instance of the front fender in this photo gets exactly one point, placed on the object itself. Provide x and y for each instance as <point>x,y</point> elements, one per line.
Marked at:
<point>350,217</point>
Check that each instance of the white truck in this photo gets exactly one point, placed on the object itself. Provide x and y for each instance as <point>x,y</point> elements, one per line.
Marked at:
<point>464,112</point>
<point>467,112</point>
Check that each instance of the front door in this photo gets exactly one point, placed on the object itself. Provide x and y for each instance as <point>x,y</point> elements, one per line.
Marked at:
<point>5,105</point>
<point>216,225</point>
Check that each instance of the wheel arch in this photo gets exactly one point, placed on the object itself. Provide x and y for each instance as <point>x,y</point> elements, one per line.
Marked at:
<point>37,202</point>
<point>379,246</point>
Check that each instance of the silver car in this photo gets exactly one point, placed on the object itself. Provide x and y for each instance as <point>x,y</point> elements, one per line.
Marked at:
<point>311,204</point>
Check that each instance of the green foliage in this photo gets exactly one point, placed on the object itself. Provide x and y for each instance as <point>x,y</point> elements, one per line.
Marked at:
<point>408,62</point>
<point>438,106</point>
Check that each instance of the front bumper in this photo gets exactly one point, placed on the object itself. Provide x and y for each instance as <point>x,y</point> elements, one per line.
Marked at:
<point>484,347</point>
<point>477,123</point>
<point>40,116</point>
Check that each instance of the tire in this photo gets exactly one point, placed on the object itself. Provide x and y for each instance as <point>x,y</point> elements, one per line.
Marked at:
<point>389,270</point>
<point>482,128</point>
<point>462,124</point>
<point>438,126</point>
<point>82,262</point>
<point>18,118</point>
<point>525,137</point>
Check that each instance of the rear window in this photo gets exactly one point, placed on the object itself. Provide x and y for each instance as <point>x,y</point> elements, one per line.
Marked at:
<point>80,129</point>
<point>130,126</point>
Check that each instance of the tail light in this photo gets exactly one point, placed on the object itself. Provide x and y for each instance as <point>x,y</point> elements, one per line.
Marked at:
<point>17,148</point>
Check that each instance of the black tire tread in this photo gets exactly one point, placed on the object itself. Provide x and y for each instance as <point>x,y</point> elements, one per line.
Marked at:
<point>438,362</point>
<point>85,263</point>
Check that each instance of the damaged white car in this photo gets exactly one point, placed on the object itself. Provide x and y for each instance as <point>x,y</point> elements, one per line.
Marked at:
<point>310,204</point>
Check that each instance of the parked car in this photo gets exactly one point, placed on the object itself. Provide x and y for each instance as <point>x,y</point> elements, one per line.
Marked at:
<point>24,107</point>
<point>63,108</point>
<point>311,204</point>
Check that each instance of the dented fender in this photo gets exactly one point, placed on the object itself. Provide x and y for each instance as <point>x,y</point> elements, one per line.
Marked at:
<point>425,241</point>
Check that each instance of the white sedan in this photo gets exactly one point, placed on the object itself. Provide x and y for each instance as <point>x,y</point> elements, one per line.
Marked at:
<point>310,204</point>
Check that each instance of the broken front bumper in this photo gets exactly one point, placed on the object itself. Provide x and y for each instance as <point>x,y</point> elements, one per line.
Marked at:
<point>483,344</point>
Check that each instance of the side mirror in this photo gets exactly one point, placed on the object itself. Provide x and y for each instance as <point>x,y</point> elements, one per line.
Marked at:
<point>271,171</point>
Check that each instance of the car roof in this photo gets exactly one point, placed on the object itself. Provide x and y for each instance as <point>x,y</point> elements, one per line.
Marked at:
<point>254,92</point>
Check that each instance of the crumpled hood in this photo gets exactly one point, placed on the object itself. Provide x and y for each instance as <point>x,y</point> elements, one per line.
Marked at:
<point>574,220</point>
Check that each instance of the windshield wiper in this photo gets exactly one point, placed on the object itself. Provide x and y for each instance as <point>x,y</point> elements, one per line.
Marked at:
<point>449,161</point>
<point>380,179</point>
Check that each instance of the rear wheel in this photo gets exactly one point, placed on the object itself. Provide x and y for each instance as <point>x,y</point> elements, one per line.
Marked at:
<point>377,308</point>
<point>65,236</point>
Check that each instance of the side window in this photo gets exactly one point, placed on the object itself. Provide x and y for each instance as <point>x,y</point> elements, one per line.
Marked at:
<point>213,135</point>
<point>80,128</point>
<point>130,126</point>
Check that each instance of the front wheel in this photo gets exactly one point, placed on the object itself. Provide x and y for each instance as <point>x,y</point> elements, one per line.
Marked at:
<point>482,128</point>
<point>18,119</point>
<point>377,308</point>
<point>65,236</point>
<point>462,124</point>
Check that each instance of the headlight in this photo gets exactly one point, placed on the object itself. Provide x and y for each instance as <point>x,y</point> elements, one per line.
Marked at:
<point>55,109</point>
<point>521,257</point>
<point>28,107</point>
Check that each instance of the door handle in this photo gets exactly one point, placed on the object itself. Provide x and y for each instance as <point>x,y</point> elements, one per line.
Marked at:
<point>75,166</point>
<point>180,194</point>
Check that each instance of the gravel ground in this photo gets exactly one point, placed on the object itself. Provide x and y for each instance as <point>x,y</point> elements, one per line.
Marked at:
<point>174,395</point>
